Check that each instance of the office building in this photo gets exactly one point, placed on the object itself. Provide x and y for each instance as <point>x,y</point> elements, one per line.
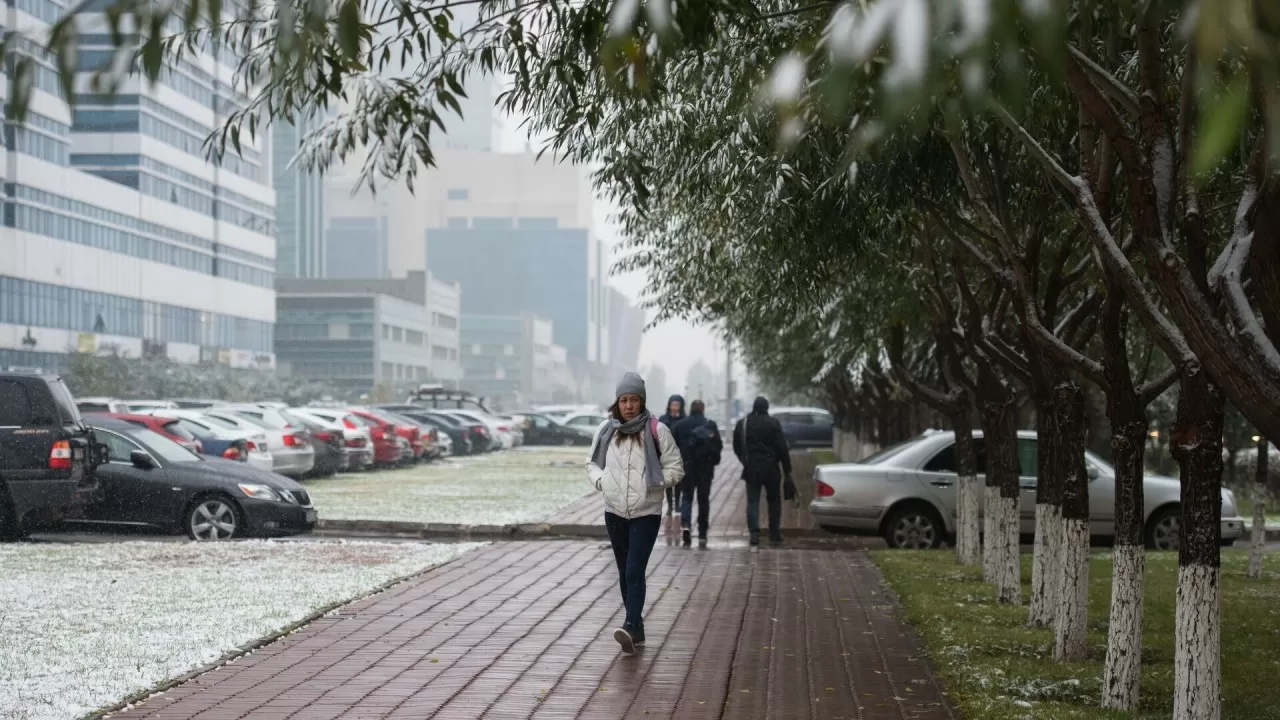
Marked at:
<point>444,310</point>
<point>300,219</point>
<point>117,230</point>
<point>364,335</point>
<point>626,329</point>
<point>516,233</point>
<point>507,359</point>
<point>356,247</point>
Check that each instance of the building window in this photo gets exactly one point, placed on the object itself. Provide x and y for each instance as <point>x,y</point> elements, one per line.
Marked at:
<point>440,353</point>
<point>386,332</point>
<point>459,194</point>
<point>453,354</point>
<point>447,322</point>
<point>413,337</point>
<point>388,371</point>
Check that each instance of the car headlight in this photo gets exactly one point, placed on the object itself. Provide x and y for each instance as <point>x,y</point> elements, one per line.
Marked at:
<point>259,492</point>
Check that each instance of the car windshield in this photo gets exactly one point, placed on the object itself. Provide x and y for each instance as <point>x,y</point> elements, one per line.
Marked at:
<point>262,420</point>
<point>175,427</point>
<point>163,447</point>
<point>889,452</point>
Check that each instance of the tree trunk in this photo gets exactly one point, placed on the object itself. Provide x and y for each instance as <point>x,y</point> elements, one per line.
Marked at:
<point>967,549</point>
<point>1000,438</point>
<point>1046,566</point>
<point>1259,539</point>
<point>1124,634</point>
<point>1071,618</point>
<point>1197,446</point>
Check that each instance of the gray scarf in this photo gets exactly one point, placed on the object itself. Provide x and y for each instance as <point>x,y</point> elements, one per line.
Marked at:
<point>637,424</point>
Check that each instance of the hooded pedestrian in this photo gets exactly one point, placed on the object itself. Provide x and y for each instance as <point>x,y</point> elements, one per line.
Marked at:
<point>761,448</point>
<point>700,447</point>
<point>633,460</point>
<point>673,415</point>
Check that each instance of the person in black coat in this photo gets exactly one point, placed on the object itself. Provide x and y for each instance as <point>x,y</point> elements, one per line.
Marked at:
<point>761,448</point>
<point>673,415</point>
<point>700,445</point>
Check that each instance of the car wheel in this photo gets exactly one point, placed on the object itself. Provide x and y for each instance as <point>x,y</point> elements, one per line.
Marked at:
<point>1163,530</point>
<point>914,527</point>
<point>213,518</point>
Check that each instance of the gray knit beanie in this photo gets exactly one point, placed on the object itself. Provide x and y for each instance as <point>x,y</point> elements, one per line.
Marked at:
<point>630,384</point>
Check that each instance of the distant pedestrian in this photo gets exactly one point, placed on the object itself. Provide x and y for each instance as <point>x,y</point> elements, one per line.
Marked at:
<point>673,415</point>
<point>700,447</point>
<point>633,460</point>
<point>761,448</point>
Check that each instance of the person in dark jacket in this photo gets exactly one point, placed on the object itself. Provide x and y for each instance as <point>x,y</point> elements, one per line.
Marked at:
<point>760,447</point>
<point>700,445</point>
<point>673,415</point>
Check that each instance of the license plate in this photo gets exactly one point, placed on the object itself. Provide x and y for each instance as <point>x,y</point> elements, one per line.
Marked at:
<point>311,516</point>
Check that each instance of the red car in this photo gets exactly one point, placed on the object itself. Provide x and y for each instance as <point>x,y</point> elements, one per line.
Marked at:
<point>385,436</point>
<point>411,433</point>
<point>168,427</point>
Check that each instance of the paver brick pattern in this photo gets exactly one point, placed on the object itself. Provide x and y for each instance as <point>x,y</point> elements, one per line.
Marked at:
<point>522,630</point>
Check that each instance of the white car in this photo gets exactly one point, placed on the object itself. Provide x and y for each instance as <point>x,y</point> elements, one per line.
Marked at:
<point>498,428</point>
<point>558,412</point>
<point>291,451</point>
<point>200,425</point>
<point>144,406</point>
<point>907,494</point>
<point>586,422</point>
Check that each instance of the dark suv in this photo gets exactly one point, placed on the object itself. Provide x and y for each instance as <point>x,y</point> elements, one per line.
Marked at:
<point>47,454</point>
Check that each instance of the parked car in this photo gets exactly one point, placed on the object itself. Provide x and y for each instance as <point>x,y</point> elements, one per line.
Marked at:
<point>291,452</point>
<point>540,429</point>
<point>514,427</point>
<point>457,436</point>
<point>357,444</point>
<point>499,430</point>
<point>328,443</point>
<point>408,430</point>
<point>151,481</point>
<point>906,493</point>
<point>587,422</point>
<point>48,455</point>
<point>478,434</point>
<point>386,442</point>
<point>101,405</point>
<point>169,427</point>
<point>805,427</point>
<point>138,406</point>
<point>557,412</point>
<point>224,439</point>
<point>195,403</point>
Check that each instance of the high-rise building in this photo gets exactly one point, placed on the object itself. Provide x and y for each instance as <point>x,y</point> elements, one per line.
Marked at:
<point>507,359</point>
<point>300,220</point>
<point>356,247</point>
<point>626,329</point>
<point>117,228</point>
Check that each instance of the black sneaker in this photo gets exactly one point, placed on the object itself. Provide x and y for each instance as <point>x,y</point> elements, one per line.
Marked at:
<point>688,537</point>
<point>625,639</point>
<point>637,637</point>
<point>755,539</point>
<point>702,542</point>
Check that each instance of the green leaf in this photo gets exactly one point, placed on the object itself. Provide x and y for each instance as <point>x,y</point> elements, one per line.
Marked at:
<point>1221,122</point>
<point>349,28</point>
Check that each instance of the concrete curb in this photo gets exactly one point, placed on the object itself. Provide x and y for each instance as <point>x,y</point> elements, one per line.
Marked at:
<point>457,531</point>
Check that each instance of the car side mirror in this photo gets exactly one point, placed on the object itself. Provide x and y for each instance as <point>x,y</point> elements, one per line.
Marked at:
<point>142,460</point>
<point>1093,473</point>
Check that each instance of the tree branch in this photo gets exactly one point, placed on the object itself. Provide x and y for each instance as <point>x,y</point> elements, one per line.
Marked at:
<point>1110,84</point>
<point>1154,388</point>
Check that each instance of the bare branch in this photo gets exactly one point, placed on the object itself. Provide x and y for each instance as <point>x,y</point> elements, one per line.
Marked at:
<point>1154,388</point>
<point>1110,84</point>
<point>1051,165</point>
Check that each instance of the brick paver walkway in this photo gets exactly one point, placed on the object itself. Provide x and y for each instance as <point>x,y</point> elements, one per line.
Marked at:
<point>521,630</point>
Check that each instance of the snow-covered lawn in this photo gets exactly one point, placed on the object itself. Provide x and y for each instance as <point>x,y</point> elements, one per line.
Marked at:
<point>515,486</point>
<point>83,626</point>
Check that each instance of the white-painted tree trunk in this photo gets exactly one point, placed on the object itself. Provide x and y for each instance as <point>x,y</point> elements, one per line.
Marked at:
<point>1258,538</point>
<point>990,532</point>
<point>1007,573</point>
<point>1071,619</point>
<point>1197,666</point>
<point>1044,566</point>
<point>968,551</point>
<point>1124,638</point>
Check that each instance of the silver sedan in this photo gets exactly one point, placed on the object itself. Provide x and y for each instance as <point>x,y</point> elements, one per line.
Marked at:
<point>907,494</point>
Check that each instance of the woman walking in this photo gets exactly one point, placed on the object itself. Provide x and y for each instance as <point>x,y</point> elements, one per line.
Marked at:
<point>633,460</point>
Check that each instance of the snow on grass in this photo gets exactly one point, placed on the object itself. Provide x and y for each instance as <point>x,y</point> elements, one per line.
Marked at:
<point>515,486</point>
<point>83,626</point>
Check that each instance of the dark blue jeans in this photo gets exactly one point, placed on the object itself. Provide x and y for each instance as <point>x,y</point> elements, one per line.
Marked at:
<point>700,485</point>
<point>771,488</point>
<point>632,542</point>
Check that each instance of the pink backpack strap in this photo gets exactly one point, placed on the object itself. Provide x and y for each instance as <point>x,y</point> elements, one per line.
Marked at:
<point>653,427</point>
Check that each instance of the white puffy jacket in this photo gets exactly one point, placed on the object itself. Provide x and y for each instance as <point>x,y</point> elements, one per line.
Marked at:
<point>622,480</point>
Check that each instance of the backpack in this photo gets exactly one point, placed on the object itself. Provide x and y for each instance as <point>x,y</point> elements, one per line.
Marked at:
<point>653,430</point>
<point>703,448</point>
